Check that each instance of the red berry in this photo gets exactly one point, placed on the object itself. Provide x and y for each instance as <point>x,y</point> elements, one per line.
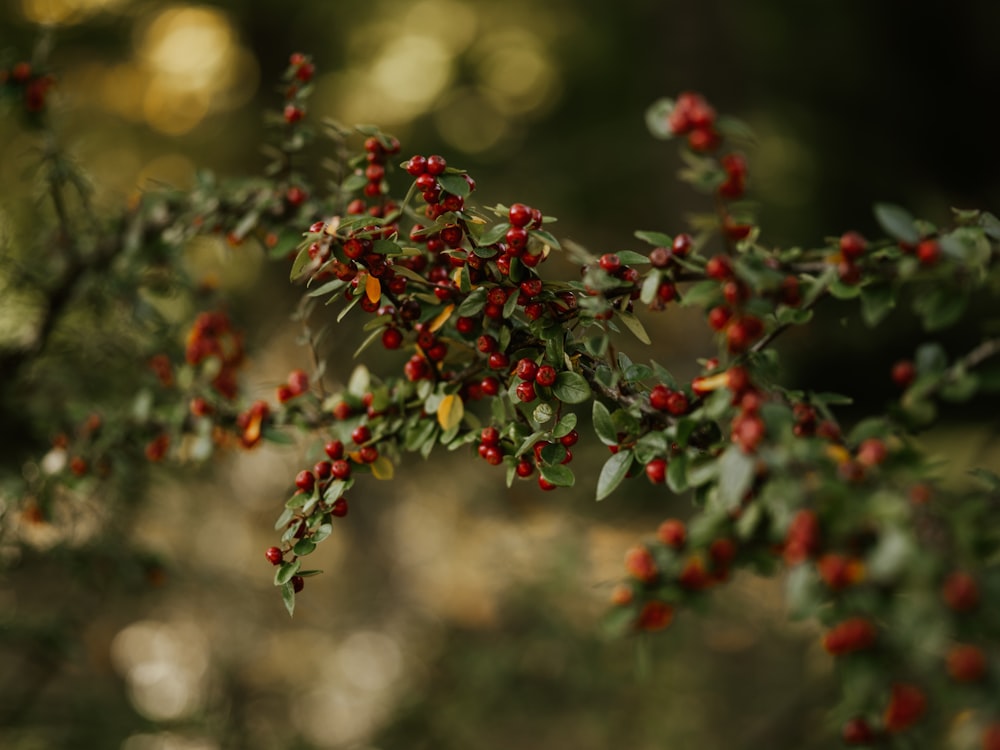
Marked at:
<point>295,195</point>
<point>498,361</point>
<point>526,369</point>
<point>640,564</point>
<point>718,317</point>
<point>519,215</point>
<point>655,615</point>
<point>339,507</point>
<point>298,583</point>
<point>610,262</point>
<point>361,434</point>
<point>531,287</point>
<point>960,592</point>
<point>672,533</point>
<point>991,736</point>
<point>659,397</point>
<point>907,704</point>
<point>416,166</point>
<point>656,471</point>
<point>803,537</point>
<point>546,376</point>
<point>368,454</point>
<point>839,572</point>
<point>748,431</point>
<point>298,381</point>
<point>305,480</point>
<point>493,455</point>
<point>871,452</point>
<point>490,386</point>
<point>857,731</point>
<point>677,403</point>
<point>545,484</point>
<point>487,344</point>
<point>525,468</point>
<point>392,338</point>
<point>517,239</point>
<point>436,164</point>
<point>742,333</point>
<point>284,393</point>
<point>293,114</point>
<point>570,439</point>
<point>966,663</point>
<point>274,555</point>
<point>323,469</point>
<point>904,372</point>
<point>852,245</point>
<point>334,450</point>
<point>525,391</point>
<point>659,257</point>
<point>722,552</point>
<point>340,469</point>
<point>682,245</point>
<point>853,634</point>
<point>928,252</point>
<point>719,268</point>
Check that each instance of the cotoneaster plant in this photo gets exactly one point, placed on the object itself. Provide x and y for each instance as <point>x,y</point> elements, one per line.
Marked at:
<point>512,365</point>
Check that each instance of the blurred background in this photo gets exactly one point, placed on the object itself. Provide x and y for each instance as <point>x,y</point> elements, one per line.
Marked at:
<point>454,613</point>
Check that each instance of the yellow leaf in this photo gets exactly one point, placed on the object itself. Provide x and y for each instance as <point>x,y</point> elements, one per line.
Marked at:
<point>373,289</point>
<point>442,317</point>
<point>450,411</point>
<point>383,468</point>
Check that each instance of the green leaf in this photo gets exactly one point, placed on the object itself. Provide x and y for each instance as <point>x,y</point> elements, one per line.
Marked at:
<point>987,478</point>
<point>603,425</point>
<point>736,473</point>
<point>897,222</point>
<point>542,413</point>
<point>301,261</point>
<point>328,288</point>
<point>657,118</point>
<point>631,257</point>
<point>288,597</point>
<point>557,474</point>
<point>571,388</point>
<point>613,472</point>
<point>940,308</point>
<point>565,425</point>
<point>876,302</point>
<point>677,473</point>
<point>635,326</point>
<point>272,435</point>
<point>375,334</point>
<point>493,235</point>
<point>285,572</point>
<point>546,237</point>
<point>474,303</point>
<point>656,239</point>
<point>931,359</point>
<point>454,184</point>
<point>701,294</point>
<point>650,286</point>
<point>304,547</point>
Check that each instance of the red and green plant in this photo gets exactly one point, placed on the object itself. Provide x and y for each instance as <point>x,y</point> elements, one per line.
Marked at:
<point>496,356</point>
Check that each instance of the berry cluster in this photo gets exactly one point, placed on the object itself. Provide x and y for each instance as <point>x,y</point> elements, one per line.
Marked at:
<point>694,117</point>
<point>212,337</point>
<point>31,87</point>
<point>670,571</point>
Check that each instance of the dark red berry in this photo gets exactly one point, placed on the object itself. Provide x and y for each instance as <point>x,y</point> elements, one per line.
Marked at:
<point>436,164</point>
<point>305,480</point>
<point>519,215</point>
<point>274,555</point>
<point>361,434</point>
